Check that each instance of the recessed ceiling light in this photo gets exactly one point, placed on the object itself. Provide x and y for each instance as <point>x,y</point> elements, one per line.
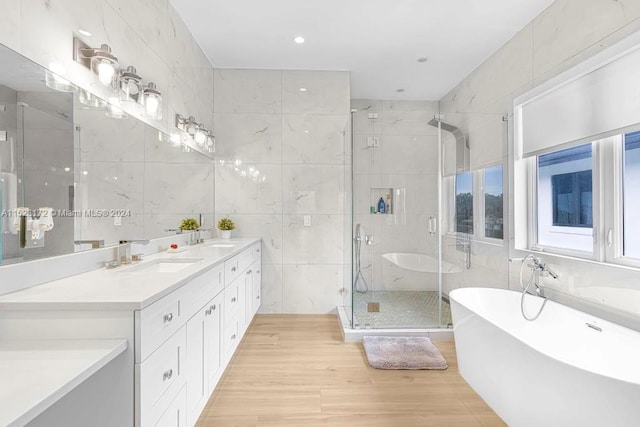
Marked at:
<point>399,90</point>
<point>303,89</point>
<point>299,40</point>
<point>84,32</point>
<point>422,59</point>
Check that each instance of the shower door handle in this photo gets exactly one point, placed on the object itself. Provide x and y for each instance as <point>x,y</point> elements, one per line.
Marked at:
<point>433,226</point>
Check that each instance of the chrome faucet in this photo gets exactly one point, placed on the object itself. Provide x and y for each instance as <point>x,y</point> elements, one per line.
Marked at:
<point>126,245</point>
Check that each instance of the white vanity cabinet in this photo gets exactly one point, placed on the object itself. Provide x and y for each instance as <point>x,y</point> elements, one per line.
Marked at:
<point>185,340</point>
<point>204,364</point>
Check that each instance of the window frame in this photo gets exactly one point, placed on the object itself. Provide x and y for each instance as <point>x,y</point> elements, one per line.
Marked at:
<point>607,203</point>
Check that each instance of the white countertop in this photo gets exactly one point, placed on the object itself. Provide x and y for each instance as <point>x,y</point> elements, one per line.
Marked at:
<point>36,374</point>
<point>119,288</point>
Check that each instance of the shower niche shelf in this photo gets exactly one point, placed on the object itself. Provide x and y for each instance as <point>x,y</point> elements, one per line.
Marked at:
<point>375,194</point>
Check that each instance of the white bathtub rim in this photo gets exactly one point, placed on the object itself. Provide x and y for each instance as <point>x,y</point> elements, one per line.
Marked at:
<point>581,365</point>
<point>420,263</point>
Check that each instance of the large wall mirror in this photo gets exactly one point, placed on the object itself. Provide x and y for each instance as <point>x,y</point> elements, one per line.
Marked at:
<point>106,175</point>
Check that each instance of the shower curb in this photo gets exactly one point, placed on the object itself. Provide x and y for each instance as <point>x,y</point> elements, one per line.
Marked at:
<point>355,335</point>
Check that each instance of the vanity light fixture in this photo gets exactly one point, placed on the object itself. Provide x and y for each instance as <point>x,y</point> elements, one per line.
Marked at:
<point>299,39</point>
<point>99,60</point>
<point>199,136</point>
<point>152,102</point>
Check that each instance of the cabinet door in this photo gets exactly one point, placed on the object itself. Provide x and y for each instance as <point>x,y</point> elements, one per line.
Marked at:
<point>197,389</point>
<point>257,286</point>
<point>175,415</point>
<point>212,342</point>
<point>203,356</point>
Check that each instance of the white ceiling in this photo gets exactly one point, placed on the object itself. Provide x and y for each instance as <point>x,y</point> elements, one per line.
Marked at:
<point>379,41</point>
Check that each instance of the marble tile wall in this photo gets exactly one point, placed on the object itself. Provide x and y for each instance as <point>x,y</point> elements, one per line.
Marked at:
<point>162,185</point>
<point>283,154</point>
<point>406,161</point>
<point>566,33</point>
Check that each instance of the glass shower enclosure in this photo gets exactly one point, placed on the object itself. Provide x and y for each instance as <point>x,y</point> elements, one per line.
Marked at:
<point>412,211</point>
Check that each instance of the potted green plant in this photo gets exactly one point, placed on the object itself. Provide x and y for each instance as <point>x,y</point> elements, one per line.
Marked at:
<point>225,225</point>
<point>189,224</point>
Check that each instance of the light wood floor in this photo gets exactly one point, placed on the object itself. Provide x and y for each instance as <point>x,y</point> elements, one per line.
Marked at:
<point>295,370</point>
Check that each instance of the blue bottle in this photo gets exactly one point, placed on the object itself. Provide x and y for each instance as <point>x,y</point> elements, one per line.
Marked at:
<point>381,208</point>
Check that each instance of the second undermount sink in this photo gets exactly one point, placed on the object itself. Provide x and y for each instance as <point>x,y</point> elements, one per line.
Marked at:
<point>162,265</point>
<point>221,245</point>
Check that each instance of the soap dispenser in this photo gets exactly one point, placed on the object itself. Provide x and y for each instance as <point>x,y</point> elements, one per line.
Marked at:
<point>381,208</point>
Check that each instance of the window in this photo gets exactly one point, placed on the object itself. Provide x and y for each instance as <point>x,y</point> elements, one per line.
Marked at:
<point>565,199</point>
<point>464,203</point>
<point>589,211</point>
<point>493,203</point>
<point>631,181</point>
<point>477,203</point>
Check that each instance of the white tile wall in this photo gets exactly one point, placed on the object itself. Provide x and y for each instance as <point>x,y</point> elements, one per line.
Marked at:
<point>298,142</point>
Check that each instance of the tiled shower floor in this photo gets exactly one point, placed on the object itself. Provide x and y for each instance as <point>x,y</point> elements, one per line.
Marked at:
<point>400,309</point>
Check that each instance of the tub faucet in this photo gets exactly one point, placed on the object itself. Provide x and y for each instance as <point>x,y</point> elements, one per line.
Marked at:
<point>537,264</point>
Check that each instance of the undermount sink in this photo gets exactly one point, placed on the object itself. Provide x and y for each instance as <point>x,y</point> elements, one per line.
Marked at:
<point>221,245</point>
<point>164,265</point>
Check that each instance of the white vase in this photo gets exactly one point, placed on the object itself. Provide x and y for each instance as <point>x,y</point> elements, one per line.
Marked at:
<point>225,234</point>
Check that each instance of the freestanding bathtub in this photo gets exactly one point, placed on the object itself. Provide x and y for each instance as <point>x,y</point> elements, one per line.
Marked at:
<point>567,368</point>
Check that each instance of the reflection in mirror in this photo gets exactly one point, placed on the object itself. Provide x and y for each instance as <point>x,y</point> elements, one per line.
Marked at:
<point>66,149</point>
<point>36,156</point>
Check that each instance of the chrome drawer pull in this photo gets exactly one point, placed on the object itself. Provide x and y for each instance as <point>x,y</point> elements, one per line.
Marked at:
<point>210,310</point>
<point>258,250</point>
<point>233,299</point>
<point>249,272</point>
<point>233,269</point>
<point>168,317</point>
<point>233,337</point>
<point>167,375</point>
<point>258,297</point>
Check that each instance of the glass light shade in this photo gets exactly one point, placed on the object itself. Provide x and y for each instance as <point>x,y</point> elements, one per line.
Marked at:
<point>152,102</point>
<point>105,66</point>
<point>114,110</point>
<point>130,84</point>
<point>53,80</point>
<point>200,137</point>
<point>191,127</point>
<point>90,100</point>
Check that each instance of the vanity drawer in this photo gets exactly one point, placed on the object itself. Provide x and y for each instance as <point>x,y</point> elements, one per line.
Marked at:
<point>160,377</point>
<point>232,299</point>
<point>233,267</point>
<point>201,290</point>
<point>156,323</point>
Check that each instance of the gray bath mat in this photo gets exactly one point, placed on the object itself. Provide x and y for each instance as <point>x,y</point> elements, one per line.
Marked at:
<point>402,353</point>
